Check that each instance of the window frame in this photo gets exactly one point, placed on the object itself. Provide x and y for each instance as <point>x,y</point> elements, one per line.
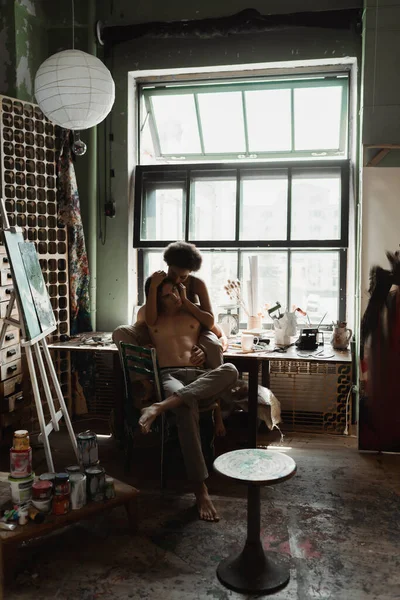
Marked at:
<point>147,91</point>
<point>159,170</point>
<point>339,245</point>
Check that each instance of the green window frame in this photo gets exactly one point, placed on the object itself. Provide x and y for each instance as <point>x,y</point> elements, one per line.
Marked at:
<point>147,115</point>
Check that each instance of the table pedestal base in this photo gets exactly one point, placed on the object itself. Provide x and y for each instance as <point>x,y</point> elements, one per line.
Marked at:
<point>254,570</point>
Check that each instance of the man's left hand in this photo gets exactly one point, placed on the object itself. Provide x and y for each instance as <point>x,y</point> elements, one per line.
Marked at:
<point>197,356</point>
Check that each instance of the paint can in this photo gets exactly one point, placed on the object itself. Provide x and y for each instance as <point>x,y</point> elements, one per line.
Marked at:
<point>21,489</point>
<point>109,490</point>
<point>48,477</point>
<point>87,448</point>
<point>21,439</point>
<point>43,506</point>
<point>61,504</point>
<point>20,463</point>
<point>73,469</point>
<point>61,484</point>
<point>78,490</point>
<point>95,483</point>
<point>42,490</point>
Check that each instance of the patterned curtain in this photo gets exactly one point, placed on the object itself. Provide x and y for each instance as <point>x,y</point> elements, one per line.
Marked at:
<point>69,213</point>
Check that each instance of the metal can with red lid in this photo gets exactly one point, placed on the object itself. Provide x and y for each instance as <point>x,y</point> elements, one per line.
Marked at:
<point>61,504</point>
<point>41,490</point>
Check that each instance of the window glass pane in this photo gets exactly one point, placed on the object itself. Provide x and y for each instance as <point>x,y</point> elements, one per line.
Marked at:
<point>176,124</point>
<point>152,261</point>
<point>221,117</point>
<point>263,209</point>
<point>216,269</point>
<point>314,284</point>
<point>147,151</point>
<point>213,207</point>
<point>268,120</point>
<point>162,212</point>
<point>272,278</point>
<point>316,205</point>
<point>317,113</point>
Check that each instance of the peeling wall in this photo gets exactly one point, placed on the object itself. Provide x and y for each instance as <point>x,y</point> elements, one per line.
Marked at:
<point>30,46</point>
<point>23,46</point>
<point>7,48</point>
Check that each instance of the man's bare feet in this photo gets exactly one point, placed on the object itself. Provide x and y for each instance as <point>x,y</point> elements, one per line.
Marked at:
<point>149,414</point>
<point>206,508</point>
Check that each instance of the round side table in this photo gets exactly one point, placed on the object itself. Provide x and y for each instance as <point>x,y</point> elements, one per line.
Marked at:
<point>253,570</point>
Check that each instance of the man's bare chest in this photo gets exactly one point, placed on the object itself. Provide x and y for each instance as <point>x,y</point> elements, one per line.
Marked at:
<point>182,325</point>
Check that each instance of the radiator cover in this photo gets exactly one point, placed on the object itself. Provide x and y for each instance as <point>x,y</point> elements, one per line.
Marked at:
<point>313,395</point>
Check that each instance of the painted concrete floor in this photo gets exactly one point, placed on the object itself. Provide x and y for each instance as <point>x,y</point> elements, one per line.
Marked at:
<point>336,522</point>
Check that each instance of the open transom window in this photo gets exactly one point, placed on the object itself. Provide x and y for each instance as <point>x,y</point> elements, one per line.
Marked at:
<point>244,120</point>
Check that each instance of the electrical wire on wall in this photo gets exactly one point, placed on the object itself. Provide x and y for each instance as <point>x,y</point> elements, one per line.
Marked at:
<point>106,205</point>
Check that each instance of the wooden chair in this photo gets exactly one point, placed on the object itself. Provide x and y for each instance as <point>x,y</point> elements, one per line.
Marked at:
<point>140,366</point>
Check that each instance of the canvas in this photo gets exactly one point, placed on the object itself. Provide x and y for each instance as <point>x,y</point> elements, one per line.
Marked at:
<point>40,297</point>
<point>21,285</point>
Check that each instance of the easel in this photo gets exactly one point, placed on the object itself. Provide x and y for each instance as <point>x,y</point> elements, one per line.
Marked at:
<point>38,344</point>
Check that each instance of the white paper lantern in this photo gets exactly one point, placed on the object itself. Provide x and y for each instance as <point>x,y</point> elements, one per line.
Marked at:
<point>74,89</point>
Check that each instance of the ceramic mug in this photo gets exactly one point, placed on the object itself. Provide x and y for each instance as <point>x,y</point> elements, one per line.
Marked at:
<point>341,337</point>
<point>248,340</point>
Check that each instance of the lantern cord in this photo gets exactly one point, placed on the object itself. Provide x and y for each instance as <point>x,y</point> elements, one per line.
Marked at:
<point>73,25</point>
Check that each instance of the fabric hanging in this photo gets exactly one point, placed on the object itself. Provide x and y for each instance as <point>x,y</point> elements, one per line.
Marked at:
<point>69,213</point>
<point>379,415</point>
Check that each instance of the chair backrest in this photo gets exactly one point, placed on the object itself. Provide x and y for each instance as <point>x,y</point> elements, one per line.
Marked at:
<point>142,362</point>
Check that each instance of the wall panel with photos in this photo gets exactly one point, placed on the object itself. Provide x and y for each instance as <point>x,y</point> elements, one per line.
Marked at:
<point>28,154</point>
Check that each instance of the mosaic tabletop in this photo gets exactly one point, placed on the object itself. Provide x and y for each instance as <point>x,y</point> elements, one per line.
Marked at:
<point>254,465</point>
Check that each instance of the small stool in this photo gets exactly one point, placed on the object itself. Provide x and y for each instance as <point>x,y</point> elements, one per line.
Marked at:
<point>253,570</point>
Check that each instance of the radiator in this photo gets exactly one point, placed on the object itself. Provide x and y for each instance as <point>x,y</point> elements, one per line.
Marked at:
<point>313,395</point>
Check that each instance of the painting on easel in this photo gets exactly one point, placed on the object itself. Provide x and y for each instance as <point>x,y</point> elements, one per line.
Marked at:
<point>37,286</point>
<point>22,288</point>
<point>33,300</point>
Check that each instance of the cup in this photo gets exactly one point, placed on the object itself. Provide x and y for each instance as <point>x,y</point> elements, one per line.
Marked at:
<point>248,340</point>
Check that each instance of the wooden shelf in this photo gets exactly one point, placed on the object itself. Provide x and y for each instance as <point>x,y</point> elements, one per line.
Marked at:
<point>383,150</point>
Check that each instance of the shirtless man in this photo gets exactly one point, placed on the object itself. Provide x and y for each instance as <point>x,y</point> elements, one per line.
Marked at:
<point>187,388</point>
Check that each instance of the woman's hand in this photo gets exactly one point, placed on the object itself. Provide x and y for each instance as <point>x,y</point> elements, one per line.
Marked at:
<point>182,292</point>
<point>197,356</point>
<point>157,278</point>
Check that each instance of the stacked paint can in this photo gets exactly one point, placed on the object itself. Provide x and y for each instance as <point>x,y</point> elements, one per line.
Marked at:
<point>87,449</point>
<point>21,476</point>
<point>98,486</point>
<point>78,490</point>
<point>96,481</point>
<point>42,492</point>
<point>61,498</point>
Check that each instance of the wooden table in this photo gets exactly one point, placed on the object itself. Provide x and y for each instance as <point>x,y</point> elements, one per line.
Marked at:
<point>125,495</point>
<point>250,362</point>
